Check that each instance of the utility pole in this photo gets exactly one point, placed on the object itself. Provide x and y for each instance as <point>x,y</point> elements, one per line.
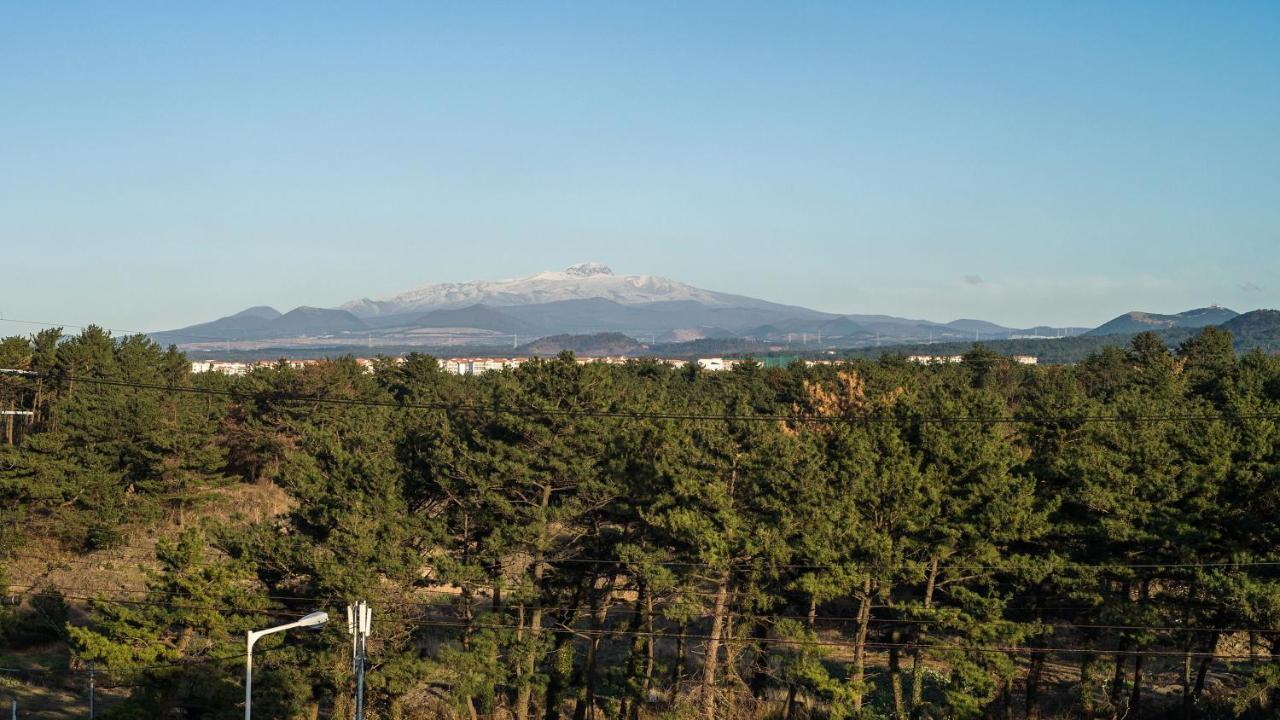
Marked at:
<point>9,414</point>
<point>359,619</point>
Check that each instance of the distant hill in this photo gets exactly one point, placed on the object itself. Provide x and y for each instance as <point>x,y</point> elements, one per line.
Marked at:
<point>257,312</point>
<point>1136,321</point>
<point>481,317</point>
<point>316,321</point>
<point>842,327</point>
<point>1258,329</point>
<point>594,345</point>
<point>245,324</point>
<point>1255,329</point>
<point>594,315</point>
<point>978,326</point>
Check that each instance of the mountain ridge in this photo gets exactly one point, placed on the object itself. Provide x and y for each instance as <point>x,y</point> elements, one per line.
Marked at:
<point>576,282</point>
<point>1139,321</point>
<point>589,298</point>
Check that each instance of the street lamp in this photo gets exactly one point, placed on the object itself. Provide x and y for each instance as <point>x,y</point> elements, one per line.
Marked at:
<point>315,619</point>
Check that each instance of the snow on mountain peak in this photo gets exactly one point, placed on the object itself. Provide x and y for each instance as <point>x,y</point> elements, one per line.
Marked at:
<point>577,282</point>
<point>586,269</point>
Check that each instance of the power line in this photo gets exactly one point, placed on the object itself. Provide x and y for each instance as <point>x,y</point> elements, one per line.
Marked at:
<point>851,644</point>
<point>269,612</point>
<point>623,609</point>
<point>116,331</point>
<point>461,624</point>
<point>760,565</point>
<point>134,668</point>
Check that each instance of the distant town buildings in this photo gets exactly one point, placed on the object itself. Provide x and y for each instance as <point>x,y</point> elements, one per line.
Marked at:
<point>934,359</point>
<point>226,368</point>
<point>475,366</point>
<point>240,368</point>
<point>457,366</point>
<point>478,365</point>
<point>948,359</point>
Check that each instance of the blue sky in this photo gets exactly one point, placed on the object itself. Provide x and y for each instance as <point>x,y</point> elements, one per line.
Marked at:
<point>166,163</point>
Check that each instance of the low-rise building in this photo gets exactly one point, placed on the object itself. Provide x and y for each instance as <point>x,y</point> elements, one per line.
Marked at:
<point>935,359</point>
<point>219,366</point>
<point>716,364</point>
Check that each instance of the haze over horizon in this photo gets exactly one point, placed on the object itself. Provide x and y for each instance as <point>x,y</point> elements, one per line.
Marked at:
<point>166,165</point>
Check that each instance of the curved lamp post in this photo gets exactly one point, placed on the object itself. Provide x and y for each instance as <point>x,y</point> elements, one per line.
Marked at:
<point>315,619</point>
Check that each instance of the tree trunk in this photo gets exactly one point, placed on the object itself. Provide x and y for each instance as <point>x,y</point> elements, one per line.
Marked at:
<point>811,621</point>
<point>1188,645</point>
<point>895,674</point>
<point>599,613</point>
<point>631,706</point>
<point>1117,682</point>
<point>555,679</point>
<point>530,664</point>
<point>1034,673</point>
<point>521,710</point>
<point>496,574</point>
<point>759,685</point>
<point>1087,662</point>
<point>1203,672</point>
<point>1135,697</point>
<point>650,657</point>
<point>1006,699</point>
<point>468,629</point>
<point>791,703</point>
<point>860,645</point>
<point>917,656</point>
<point>677,669</point>
<point>1188,701</point>
<point>712,658</point>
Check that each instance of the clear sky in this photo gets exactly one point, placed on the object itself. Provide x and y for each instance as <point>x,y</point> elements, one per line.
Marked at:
<point>166,163</point>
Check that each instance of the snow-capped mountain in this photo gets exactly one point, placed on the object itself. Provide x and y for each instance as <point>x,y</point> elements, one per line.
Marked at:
<point>586,298</point>
<point>576,282</point>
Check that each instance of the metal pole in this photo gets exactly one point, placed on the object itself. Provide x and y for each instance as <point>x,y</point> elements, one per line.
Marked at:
<point>248,674</point>
<point>360,681</point>
<point>91,690</point>
<point>358,623</point>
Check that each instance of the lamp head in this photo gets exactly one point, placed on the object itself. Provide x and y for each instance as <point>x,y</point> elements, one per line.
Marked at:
<point>315,619</point>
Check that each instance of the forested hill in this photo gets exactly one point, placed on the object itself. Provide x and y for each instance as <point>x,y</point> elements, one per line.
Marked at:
<point>1255,330</point>
<point>872,539</point>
